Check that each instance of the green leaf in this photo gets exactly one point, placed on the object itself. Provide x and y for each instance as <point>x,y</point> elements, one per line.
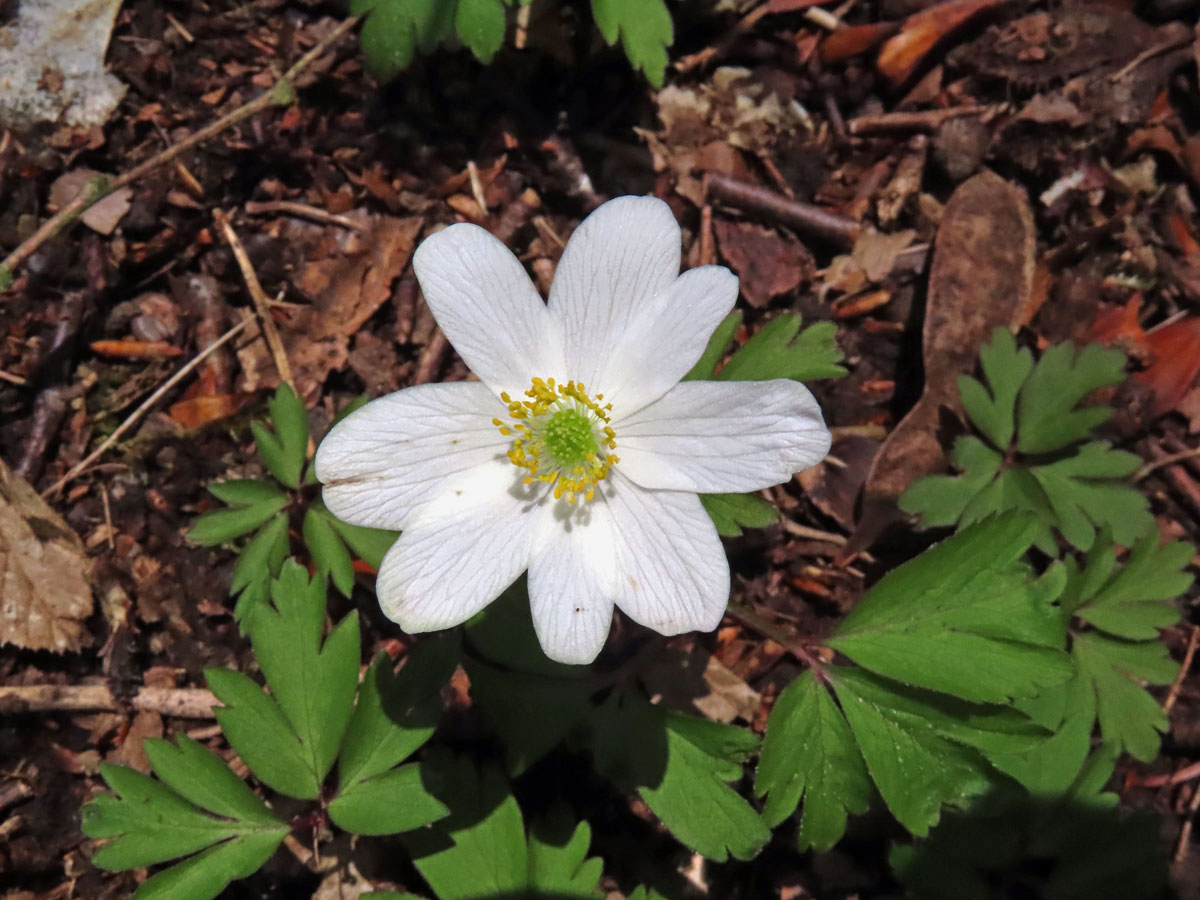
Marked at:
<point>781,350</point>
<point>245,492</point>
<point>1135,601</point>
<point>1129,717</point>
<point>258,730</point>
<point>559,866</point>
<point>480,25</point>
<point>718,345</point>
<point>1084,496</point>
<point>809,754</point>
<point>396,29</point>
<point>681,767</point>
<point>396,712</point>
<point>290,420</point>
<point>386,804</point>
<point>942,499</point>
<point>733,512</point>
<point>645,30</point>
<point>223,525</point>
<point>479,850</point>
<point>262,557</point>
<point>965,618</point>
<point>922,749</point>
<point>1047,419</point>
<point>1005,368</point>
<point>313,682</point>
<point>201,777</point>
<point>207,874</point>
<point>368,544</point>
<point>328,551</point>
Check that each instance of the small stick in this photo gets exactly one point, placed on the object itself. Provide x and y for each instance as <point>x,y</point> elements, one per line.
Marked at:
<point>1185,832</point>
<point>476,185</point>
<point>183,32</point>
<point>1185,774</point>
<point>925,120</point>
<point>186,703</point>
<point>13,379</point>
<point>1163,461</point>
<point>261,302</point>
<point>1177,684</point>
<point>281,94</point>
<point>793,645</point>
<point>108,522</point>
<point>801,216</point>
<point>147,404</point>
<point>303,210</point>
<point>432,358</point>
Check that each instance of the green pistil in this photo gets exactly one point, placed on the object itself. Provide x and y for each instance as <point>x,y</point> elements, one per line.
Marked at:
<point>569,437</point>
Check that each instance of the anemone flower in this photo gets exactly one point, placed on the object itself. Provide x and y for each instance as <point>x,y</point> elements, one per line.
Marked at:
<point>579,453</point>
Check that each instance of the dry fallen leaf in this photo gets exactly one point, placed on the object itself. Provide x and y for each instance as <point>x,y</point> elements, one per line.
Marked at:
<point>103,216</point>
<point>44,591</point>
<point>695,678</point>
<point>983,268</point>
<point>922,32</point>
<point>766,264</point>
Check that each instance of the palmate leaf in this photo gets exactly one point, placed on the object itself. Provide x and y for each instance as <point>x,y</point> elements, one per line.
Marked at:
<point>1047,415</point>
<point>965,618</point>
<point>644,28</point>
<point>199,807</point>
<point>481,848</point>
<point>732,513</point>
<point>396,29</point>
<point>1005,368</point>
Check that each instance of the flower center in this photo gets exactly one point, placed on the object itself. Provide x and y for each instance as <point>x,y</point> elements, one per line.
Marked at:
<point>561,436</point>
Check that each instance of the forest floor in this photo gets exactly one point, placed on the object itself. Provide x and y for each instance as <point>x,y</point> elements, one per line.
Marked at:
<point>818,170</point>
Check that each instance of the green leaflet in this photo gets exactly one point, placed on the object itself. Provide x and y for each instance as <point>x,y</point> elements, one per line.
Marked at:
<point>732,513</point>
<point>645,31</point>
<point>965,618</point>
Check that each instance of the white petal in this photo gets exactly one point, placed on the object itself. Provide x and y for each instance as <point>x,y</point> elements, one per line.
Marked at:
<point>460,550</point>
<point>665,339</point>
<point>488,308</point>
<point>619,257</point>
<point>382,461</point>
<point>673,574</point>
<point>572,580</point>
<point>713,437</point>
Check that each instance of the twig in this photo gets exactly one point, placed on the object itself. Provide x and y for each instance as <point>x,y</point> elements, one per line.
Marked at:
<point>186,703</point>
<point>108,522</point>
<point>1185,831</point>
<point>801,216</point>
<point>1184,774</point>
<point>1177,684</point>
<point>924,120</point>
<point>262,303</point>
<point>281,94</point>
<point>302,210</point>
<point>149,402</point>
<point>1163,461</point>
<point>476,185</point>
<point>432,358</point>
<point>793,645</point>
<point>1150,53</point>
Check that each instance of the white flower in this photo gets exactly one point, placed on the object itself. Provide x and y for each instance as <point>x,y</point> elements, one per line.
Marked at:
<point>579,454</point>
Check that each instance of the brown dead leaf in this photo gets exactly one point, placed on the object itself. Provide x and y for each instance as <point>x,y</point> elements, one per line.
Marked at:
<point>983,267</point>
<point>695,678</point>
<point>766,264</point>
<point>103,216</point>
<point>922,32</point>
<point>871,260</point>
<point>204,409</point>
<point>44,590</point>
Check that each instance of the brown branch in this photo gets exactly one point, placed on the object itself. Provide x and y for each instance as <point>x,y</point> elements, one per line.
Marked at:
<point>802,216</point>
<point>928,120</point>
<point>187,703</point>
<point>282,93</point>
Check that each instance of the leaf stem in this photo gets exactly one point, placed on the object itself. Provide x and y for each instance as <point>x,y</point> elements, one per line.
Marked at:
<point>794,645</point>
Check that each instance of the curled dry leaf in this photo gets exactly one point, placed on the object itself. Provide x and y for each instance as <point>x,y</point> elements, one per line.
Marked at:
<point>44,591</point>
<point>983,268</point>
<point>922,32</point>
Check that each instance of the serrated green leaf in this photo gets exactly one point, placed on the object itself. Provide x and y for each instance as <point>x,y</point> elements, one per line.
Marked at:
<point>290,421</point>
<point>258,730</point>
<point>328,551</point>
<point>559,866</point>
<point>202,778</point>
<point>245,492</point>
<point>809,755</point>
<point>922,749</point>
<point>1129,717</point>
<point>718,345</point>
<point>271,452</point>
<point>312,682</point>
<point>1005,368</point>
<point>941,499</point>
<point>223,525</point>
<point>389,895</point>
<point>479,849</point>
<point>1084,496</point>
<point>781,350</point>
<point>396,712</point>
<point>205,875</point>
<point>368,544</point>
<point>964,618</point>
<point>386,804</point>
<point>480,25</point>
<point>262,557</point>
<point>1133,602</point>
<point>1047,417</point>
<point>645,30</point>
<point>733,512</point>
<point>396,29</point>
